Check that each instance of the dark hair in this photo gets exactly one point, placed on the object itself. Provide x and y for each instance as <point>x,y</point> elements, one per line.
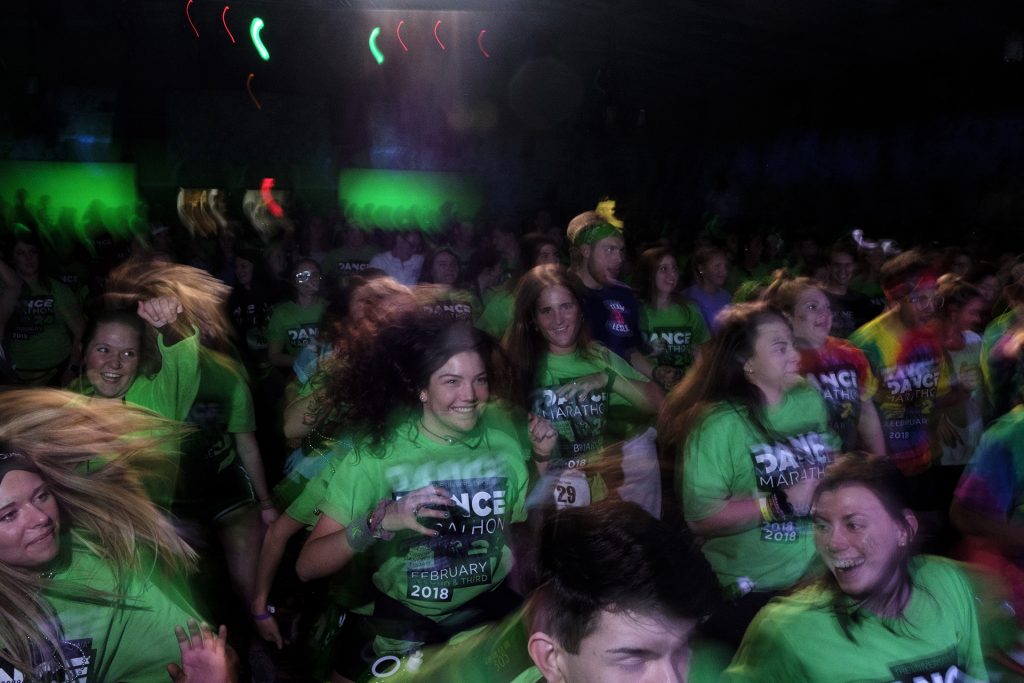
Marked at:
<point>388,367</point>
<point>149,355</point>
<point>615,556</point>
<point>785,289</point>
<point>531,245</point>
<point>955,293</point>
<point>718,377</point>
<point>905,266</point>
<point>426,272</point>
<point>844,245</point>
<point>701,258</point>
<point>647,271</point>
<point>879,475</point>
<point>524,343</point>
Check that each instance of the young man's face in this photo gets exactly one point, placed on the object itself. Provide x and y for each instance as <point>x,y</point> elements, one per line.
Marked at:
<point>918,307</point>
<point>604,259</point>
<point>625,646</point>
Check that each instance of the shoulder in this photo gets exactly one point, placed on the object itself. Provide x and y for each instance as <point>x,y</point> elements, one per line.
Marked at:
<point>931,570</point>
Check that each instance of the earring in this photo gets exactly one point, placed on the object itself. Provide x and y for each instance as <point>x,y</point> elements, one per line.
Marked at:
<point>423,397</point>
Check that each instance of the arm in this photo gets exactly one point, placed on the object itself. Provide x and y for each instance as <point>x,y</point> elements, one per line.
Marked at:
<point>283,528</point>
<point>249,451</point>
<point>277,355</point>
<point>869,428</point>
<point>329,547</point>
<point>301,414</point>
<point>640,363</point>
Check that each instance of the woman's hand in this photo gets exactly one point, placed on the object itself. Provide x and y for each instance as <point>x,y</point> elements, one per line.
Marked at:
<point>543,436</point>
<point>405,512</point>
<point>204,658</point>
<point>800,495</point>
<point>269,631</point>
<point>160,312</point>
<point>582,387</point>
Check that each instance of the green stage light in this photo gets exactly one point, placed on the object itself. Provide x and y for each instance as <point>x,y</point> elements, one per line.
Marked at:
<point>395,200</point>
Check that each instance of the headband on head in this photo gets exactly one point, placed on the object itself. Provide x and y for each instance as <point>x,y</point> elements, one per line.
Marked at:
<point>10,462</point>
<point>608,225</point>
<point>903,289</point>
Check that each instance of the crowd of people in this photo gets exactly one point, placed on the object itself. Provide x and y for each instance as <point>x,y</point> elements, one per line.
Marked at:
<point>491,454</point>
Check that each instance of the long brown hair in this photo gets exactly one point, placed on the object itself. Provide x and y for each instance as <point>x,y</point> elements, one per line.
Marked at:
<point>91,455</point>
<point>523,341</point>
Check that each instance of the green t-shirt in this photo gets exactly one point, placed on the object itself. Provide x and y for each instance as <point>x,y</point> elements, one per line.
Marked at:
<point>344,262</point>
<point>223,406</point>
<point>126,639</point>
<point>727,457</point>
<point>295,326</point>
<point>799,638</point>
<point>674,333</point>
<point>497,313</point>
<point>1003,378</point>
<point>486,474</point>
<point>457,304</point>
<point>40,338</point>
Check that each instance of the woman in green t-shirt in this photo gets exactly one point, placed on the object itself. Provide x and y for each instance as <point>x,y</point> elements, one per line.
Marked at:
<point>91,570</point>
<point>429,493</point>
<point>673,327</point>
<point>585,391</point>
<point>751,440</point>
<point>879,613</point>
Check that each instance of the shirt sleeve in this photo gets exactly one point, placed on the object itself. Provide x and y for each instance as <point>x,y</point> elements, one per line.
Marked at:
<point>765,654</point>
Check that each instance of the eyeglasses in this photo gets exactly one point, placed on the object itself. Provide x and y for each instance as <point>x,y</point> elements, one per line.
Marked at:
<point>925,300</point>
<point>304,276</point>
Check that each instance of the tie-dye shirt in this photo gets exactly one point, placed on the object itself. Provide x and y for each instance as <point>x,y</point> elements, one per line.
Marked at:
<point>841,373</point>
<point>912,375</point>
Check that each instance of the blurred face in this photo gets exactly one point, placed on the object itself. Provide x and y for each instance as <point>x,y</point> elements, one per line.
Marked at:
<point>445,269</point>
<point>306,278</point>
<point>840,269</point>
<point>29,521</point>
<point>860,542</point>
<point>775,365</point>
<point>961,264</point>
<point>456,395</point>
<point>277,260</point>
<point>989,287</point>
<point>627,646</point>
<point>918,307</point>
<point>558,318</point>
<point>666,277</point>
<point>812,317</point>
<point>243,271</point>
<point>604,259</point>
<point>112,359</point>
<point>715,271</point>
<point>547,254</point>
<point>26,259</point>
<point>969,316</point>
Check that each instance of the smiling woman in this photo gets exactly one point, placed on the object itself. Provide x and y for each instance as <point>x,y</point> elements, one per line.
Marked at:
<point>87,562</point>
<point>915,615</point>
<point>433,489</point>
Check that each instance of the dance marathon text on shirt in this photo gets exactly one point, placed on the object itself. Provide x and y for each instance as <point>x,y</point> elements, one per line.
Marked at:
<point>911,381</point>
<point>34,313</point>
<point>461,554</point>
<point>579,423</point>
<point>302,336</point>
<point>940,668</point>
<point>838,385</point>
<point>779,465</point>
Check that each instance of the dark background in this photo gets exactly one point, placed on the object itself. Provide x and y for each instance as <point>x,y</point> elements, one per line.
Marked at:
<point>904,118</point>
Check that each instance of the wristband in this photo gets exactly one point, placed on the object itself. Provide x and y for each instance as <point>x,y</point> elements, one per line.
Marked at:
<point>375,521</point>
<point>766,512</point>
<point>358,534</point>
<point>266,614</point>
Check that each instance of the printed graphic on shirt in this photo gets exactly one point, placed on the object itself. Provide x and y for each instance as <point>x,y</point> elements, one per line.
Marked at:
<point>32,315</point>
<point>616,321</point>
<point>350,267</point>
<point>79,654</point>
<point>779,465</point>
<point>456,310</point>
<point>939,668</point>
<point>469,543</point>
<point>908,382</point>
<point>302,335</point>
<point>676,345</point>
<point>579,423</point>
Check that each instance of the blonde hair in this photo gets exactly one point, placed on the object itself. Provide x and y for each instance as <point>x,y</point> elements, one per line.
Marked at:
<point>90,453</point>
<point>202,296</point>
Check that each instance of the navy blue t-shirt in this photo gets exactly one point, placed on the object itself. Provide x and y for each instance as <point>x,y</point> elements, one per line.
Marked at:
<point>613,318</point>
